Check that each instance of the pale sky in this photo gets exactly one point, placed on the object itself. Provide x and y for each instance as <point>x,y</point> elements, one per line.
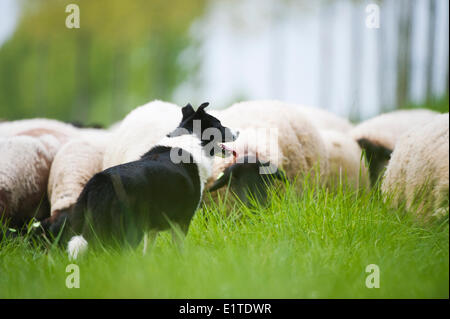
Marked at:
<point>8,18</point>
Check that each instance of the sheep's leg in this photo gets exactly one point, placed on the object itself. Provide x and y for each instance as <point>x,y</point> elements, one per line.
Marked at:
<point>149,239</point>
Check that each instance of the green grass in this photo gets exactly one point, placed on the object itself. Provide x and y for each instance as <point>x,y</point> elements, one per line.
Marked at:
<point>313,245</point>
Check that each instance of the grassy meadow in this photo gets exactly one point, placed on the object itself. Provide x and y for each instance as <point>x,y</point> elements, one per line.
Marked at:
<point>316,244</point>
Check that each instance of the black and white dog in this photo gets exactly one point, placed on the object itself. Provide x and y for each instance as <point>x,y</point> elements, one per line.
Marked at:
<point>161,190</point>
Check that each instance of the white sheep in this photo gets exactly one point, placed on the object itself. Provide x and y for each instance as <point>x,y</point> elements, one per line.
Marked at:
<point>325,120</point>
<point>298,148</point>
<point>347,167</point>
<point>24,167</point>
<point>418,172</point>
<point>378,136</point>
<point>344,153</point>
<point>15,127</point>
<point>139,131</point>
<point>74,164</point>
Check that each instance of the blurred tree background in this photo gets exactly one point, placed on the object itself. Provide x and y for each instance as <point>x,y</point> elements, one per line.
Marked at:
<point>316,52</point>
<point>124,54</point>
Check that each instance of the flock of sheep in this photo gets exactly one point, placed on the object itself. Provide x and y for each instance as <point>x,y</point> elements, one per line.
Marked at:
<point>44,164</point>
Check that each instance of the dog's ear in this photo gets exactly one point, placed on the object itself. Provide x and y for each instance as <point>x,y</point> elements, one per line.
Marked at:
<point>188,110</point>
<point>203,106</point>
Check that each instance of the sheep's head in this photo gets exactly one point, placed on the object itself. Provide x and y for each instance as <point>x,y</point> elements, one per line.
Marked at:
<point>207,128</point>
<point>249,177</point>
<point>377,156</point>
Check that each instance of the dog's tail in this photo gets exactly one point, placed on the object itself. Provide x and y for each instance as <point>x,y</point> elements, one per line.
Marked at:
<point>76,247</point>
<point>77,244</point>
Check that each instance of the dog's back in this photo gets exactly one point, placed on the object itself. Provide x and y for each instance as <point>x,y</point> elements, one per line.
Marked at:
<point>122,202</point>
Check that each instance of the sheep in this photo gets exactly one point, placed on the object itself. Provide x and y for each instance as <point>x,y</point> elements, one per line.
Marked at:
<point>115,126</point>
<point>74,164</point>
<point>325,120</point>
<point>378,136</point>
<point>82,125</point>
<point>344,153</point>
<point>23,184</point>
<point>418,172</point>
<point>15,127</point>
<point>139,131</point>
<point>24,167</point>
<point>346,163</point>
<point>298,148</point>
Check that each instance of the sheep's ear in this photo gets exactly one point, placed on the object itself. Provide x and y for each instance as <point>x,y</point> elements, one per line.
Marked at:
<point>187,110</point>
<point>221,181</point>
<point>203,106</point>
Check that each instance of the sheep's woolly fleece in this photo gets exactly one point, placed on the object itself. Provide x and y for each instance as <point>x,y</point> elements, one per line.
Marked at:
<point>139,131</point>
<point>325,120</point>
<point>15,127</point>
<point>298,148</point>
<point>27,164</point>
<point>385,129</point>
<point>24,167</point>
<point>346,163</point>
<point>74,164</point>
<point>418,172</point>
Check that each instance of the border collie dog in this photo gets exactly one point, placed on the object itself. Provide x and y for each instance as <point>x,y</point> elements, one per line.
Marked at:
<point>161,190</point>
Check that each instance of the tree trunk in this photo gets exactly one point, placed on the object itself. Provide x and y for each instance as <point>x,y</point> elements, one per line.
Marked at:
<point>277,49</point>
<point>119,81</point>
<point>404,52</point>
<point>430,48</point>
<point>325,52</point>
<point>381,61</point>
<point>82,101</point>
<point>356,24</point>
<point>41,88</point>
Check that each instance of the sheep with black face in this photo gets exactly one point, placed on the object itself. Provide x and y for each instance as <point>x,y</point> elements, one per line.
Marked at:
<point>418,173</point>
<point>378,136</point>
<point>275,138</point>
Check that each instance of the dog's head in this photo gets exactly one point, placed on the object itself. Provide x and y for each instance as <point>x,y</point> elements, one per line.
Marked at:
<point>207,128</point>
<point>249,178</point>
